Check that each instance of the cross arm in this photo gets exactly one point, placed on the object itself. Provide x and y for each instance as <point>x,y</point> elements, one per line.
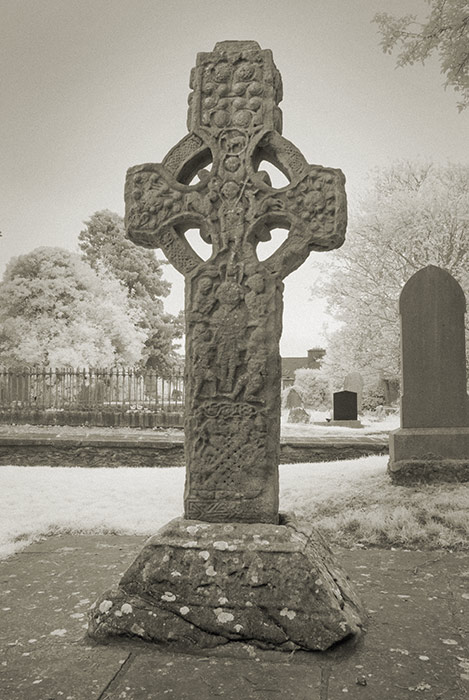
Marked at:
<point>160,207</point>
<point>313,207</point>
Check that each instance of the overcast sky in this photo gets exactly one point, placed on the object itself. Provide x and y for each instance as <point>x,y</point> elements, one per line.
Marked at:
<point>91,87</point>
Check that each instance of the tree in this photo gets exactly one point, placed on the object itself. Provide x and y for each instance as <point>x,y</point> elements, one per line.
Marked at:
<point>103,243</point>
<point>415,215</point>
<point>445,30</point>
<point>55,310</point>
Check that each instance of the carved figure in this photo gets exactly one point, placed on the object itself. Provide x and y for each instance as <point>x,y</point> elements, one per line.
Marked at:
<point>229,321</point>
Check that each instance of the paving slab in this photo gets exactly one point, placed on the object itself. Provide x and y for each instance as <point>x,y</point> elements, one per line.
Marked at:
<point>416,644</point>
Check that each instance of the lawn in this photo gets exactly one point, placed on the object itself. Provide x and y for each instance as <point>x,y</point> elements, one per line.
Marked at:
<point>351,501</point>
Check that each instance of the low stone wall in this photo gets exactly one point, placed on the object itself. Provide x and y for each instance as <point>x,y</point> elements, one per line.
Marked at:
<point>90,452</point>
<point>319,451</point>
<point>143,451</point>
<point>102,419</point>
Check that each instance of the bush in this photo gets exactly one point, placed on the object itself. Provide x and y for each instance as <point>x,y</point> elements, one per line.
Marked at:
<point>372,398</point>
<point>313,387</point>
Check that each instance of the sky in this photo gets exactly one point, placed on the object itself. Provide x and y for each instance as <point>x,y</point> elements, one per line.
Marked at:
<point>92,87</point>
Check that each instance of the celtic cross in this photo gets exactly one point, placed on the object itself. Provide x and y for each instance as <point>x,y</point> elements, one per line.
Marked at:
<point>233,301</point>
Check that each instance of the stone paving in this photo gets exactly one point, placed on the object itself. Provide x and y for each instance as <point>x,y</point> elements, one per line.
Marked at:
<point>416,643</point>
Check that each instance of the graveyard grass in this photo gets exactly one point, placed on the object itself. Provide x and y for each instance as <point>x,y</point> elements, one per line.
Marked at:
<point>352,502</point>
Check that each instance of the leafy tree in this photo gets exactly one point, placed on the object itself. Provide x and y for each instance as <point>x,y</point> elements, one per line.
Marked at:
<point>103,243</point>
<point>313,387</point>
<point>415,215</point>
<point>445,30</point>
<point>55,310</point>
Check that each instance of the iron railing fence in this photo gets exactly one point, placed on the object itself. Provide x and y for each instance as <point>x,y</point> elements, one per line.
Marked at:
<point>116,388</point>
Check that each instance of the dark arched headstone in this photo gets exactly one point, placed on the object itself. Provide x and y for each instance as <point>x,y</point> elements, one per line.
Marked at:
<point>433,441</point>
<point>432,308</point>
<point>344,405</point>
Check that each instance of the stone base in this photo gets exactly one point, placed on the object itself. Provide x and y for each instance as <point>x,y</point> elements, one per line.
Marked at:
<point>341,423</point>
<point>204,584</point>
<point>428,455</point>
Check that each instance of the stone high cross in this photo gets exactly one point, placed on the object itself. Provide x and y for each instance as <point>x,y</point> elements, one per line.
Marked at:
<point>233,302</point>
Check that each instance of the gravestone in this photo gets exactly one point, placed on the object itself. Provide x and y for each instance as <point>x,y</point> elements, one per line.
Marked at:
<point>433,441</point>
<point>354,382</point>
<point>293,399</point>
<point>224,572</point>
<point>344,405</point>
<point>344,410</point>
<point>298,415</point>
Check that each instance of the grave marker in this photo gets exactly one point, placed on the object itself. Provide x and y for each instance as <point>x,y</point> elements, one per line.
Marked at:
<point>233,302</point>
<point>231,570</point>
<point>433,441</point>
<point>354,382</point>
<point>344,405</point>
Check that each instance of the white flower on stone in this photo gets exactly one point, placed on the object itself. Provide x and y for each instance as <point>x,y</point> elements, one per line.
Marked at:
<point>238,628</point>
<point>126,609</point>
<point>168,597</point>
<point>184,610</point>
<point>204,554</point>
<point>192,529</point>
<point>210,571</point>
<point>105,606</point>
<point>285,612</point>
<point>220,544</point>
<point>223,600</point>
<point>224,616</point>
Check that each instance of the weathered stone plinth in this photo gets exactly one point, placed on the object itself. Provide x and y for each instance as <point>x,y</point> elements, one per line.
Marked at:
<point>207,584</point>
<point>427,455</point>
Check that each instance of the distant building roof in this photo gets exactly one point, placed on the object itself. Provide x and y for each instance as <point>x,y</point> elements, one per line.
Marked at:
<point>290,364</point>
<point>312,361</point>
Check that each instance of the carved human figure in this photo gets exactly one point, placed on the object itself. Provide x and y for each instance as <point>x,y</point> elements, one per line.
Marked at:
<point>203,362</point>
<point>229,322</point>
<point>255,298</point>
<point>204,299</point>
